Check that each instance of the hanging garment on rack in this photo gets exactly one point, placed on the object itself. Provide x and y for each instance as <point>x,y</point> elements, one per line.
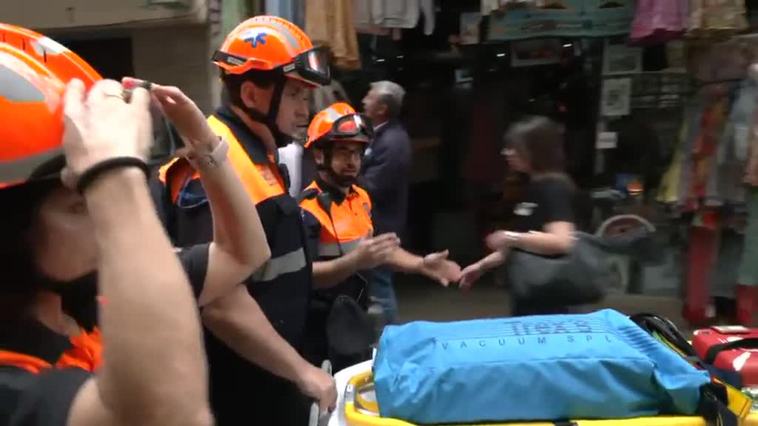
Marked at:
<point>716,18</point>
<point>751,170</point>
<point>675,182</point>
<point>489,6</point>
<point>427,10</point>
<point>685,198</point>
<point>656,22</point>
<point>748,274</point>
<point>719,62</point>
<point>394,14</point>
<point>727,179</point>
<point>705,148</point>
<point>741,120</point>
<point>331,23</point>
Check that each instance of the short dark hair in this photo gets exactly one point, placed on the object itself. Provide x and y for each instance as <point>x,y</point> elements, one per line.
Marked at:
<point>540,140</point>
<point>233,83</point>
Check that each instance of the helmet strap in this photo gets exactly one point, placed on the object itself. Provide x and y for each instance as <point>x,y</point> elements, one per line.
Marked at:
<point>281,139</point>
<point>341,181</point>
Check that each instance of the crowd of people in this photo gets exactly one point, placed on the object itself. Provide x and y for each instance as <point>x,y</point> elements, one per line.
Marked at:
<point>215,294</point>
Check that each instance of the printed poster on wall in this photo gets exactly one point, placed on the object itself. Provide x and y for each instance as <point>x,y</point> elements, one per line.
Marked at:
<point>616,97</point>
<point>564,18</point>
<point>470,27</point>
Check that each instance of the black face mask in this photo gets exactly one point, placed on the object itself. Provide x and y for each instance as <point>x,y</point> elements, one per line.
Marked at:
<point>79,297</point>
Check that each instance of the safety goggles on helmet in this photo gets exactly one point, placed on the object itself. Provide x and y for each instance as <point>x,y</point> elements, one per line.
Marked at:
<point>351,126</point>
<point>311,66</point>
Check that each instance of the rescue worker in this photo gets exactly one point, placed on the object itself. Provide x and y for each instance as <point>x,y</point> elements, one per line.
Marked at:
<point>52,373</point>
<point>337,215</point>
<point>48,246</point>
<point>268,67</point>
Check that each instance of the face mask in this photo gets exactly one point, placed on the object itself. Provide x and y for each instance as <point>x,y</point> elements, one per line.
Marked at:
<point>79,297</point>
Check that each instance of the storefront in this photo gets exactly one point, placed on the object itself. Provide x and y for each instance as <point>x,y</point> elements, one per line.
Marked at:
<point>656,100</point>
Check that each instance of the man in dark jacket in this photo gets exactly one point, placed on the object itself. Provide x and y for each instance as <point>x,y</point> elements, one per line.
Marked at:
<point>385,174</point>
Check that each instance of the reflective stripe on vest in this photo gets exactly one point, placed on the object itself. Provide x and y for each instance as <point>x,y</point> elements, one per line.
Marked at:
<point>278,266</point>
<point>350,221</point>
<point>333,249</point>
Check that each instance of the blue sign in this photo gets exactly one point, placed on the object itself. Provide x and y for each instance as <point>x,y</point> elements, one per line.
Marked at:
<point>564,18</point>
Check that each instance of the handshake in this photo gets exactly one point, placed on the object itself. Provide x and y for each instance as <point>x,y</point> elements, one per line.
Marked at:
<point>385,250</point>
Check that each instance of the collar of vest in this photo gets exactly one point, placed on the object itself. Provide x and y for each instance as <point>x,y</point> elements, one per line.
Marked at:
<point>30,337</point>
<point>335,192</point>
<point>252,144</point>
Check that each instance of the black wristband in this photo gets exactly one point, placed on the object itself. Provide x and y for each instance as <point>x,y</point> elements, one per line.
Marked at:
<point>91,174</point>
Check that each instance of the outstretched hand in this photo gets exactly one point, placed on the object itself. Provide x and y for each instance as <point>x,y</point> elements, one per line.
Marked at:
<point>438,267</point>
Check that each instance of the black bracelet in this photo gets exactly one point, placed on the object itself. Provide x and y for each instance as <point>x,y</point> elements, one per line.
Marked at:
<point>91,174</point>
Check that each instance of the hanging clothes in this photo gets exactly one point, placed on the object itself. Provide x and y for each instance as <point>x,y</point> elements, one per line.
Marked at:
<point>404,14</point>
<point>708,164</point>
<point>331,23</point>
<point>489,6</point>
<point>748,272</point>
<point>656,22</point>
<point>705,147</point>
<point>716,18</point>
<point>751,168</point>
<point>324,96</point>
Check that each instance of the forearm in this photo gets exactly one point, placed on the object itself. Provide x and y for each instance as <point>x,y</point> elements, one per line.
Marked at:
<point>151,349</point>
<point>403,261</point>
<point>239,322</point>
<point>332,272</point>
<point>543,243</point>
<point>237,228</point>
<point>493,260</point>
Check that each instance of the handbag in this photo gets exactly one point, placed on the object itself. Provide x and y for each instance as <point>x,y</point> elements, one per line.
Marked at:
<point>577,278</point>
<point>350,333</point>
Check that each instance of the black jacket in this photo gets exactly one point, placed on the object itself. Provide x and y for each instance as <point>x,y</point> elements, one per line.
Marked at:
<point>385,175</point>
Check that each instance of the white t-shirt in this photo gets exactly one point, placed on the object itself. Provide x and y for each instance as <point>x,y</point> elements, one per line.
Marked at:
<point>292,157</point>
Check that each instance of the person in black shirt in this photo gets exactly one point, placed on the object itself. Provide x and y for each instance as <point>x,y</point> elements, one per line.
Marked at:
<point>544,222</point>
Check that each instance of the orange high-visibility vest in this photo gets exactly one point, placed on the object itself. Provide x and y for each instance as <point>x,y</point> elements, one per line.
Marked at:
<point>85,353</point>
<point>350,220</point>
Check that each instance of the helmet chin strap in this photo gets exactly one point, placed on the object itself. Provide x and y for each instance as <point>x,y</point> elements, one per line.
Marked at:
<point>342,181</point>
<point>281,139</point>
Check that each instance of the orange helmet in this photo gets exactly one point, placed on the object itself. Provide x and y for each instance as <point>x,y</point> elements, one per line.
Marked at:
<point>34,71</point>
<point>268,43</point>
<point>62,62</point>
<point>339,122</point>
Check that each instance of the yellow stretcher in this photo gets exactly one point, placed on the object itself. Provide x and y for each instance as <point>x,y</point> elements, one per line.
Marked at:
<point>361,410</point>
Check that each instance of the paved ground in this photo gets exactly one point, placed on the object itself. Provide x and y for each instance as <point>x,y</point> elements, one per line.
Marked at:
<point>422,300</point>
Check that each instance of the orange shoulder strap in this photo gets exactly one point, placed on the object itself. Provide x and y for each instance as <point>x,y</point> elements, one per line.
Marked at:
<point>262,181</point>
<point>29,363</point>
<point>85,353</point>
